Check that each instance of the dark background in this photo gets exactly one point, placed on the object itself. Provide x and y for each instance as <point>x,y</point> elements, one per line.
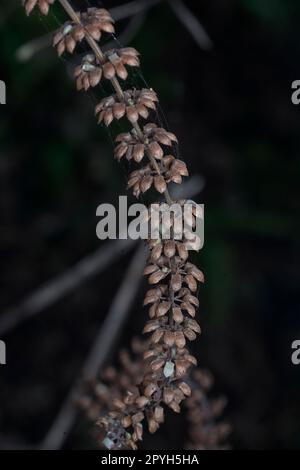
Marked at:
<point>231,109</point>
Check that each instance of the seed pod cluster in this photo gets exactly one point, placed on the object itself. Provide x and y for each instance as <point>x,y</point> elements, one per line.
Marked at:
<point>93,23</point>
<point>136,103</point>
<point>91,71</point>
<point>119,389</point>
<point>170,170</point>
<point>135,145</point>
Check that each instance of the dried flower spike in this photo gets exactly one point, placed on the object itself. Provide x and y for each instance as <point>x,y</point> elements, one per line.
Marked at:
<point>164,373</point>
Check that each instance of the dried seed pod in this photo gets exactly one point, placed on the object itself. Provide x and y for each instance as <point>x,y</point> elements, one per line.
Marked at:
<point>152,311</point>
<point>169,338</point>
<point>191,359</point>
<point>189,308</point>
<point>150,269</point>
<point>177,315</point>
<point>142,401</point>
<point>153,295</point>
<point>191,282</point>
<point>169,248</point>
<point>168,395</point>
<point>178,395</point>
<point>159,414</point>
<point>195,272</point>
<point>151,326</point>
<point>138,432</point>
<point>150,389</point>
<point>179,339</point>
<point>193,325</point>
<point>156,252</point>
<point>154,278</point>
<point>191,299</point>
<point>185,388</point>
<point>156,152</point>
<point>157,364</point>
<point>182,251</point>
<point>190,334</point>
<point>160,184</point>
<point>146,183</point>
<point>137,418</point>
<point>176,282</point>
<point>152,425</point>
<point>163,308</point>
<point>181,367</point>
<point>157,335</point>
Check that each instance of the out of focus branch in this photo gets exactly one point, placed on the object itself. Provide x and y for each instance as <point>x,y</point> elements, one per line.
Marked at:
<point>137,9</point>
<point>191,23</point>
<point>132,8</point>
<point>103,345</point>
<point>58,288</point>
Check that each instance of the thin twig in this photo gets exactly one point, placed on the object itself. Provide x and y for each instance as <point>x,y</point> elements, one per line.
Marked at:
<point>31,48</point>
<point>132,8</point>
<point>192,24</point>
<point>58,288</point>
<point>101,349</point>
<point>138,8</point>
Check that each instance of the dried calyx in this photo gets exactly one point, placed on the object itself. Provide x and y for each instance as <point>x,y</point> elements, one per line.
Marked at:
<point>92,70</point>
<point>172,301</point>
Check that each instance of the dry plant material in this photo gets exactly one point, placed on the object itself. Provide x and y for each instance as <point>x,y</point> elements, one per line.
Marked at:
<point>204,428</point>
<point>171,299</point>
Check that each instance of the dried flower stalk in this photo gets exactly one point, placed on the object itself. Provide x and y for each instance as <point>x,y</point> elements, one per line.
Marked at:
<point>171,299</point>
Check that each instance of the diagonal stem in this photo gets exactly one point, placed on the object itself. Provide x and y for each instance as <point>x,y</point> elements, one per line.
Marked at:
<point>115,83</point>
